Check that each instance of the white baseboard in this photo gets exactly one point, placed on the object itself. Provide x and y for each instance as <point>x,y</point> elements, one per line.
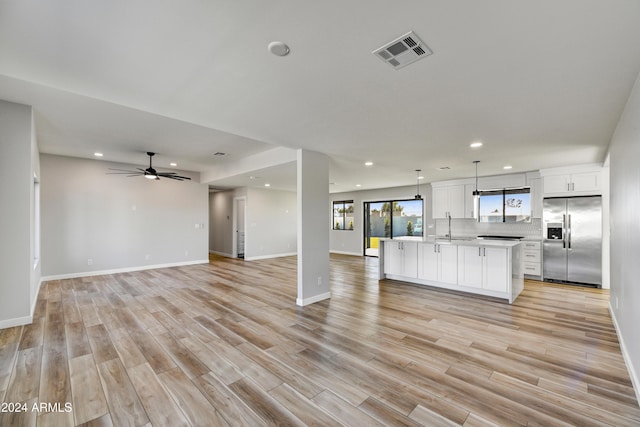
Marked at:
<point>626,356</point>
<point>255,258</point>
<point>18,321</point>
<point>345,253</point>
<point>25,320</point>
<point>121,270</point>
<point>311,300</point>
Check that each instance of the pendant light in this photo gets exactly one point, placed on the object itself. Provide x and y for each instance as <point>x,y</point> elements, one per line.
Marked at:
<point>418,196</point>
<point>476,195</point>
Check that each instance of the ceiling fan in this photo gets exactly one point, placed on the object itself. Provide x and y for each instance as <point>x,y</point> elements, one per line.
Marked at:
<point>149,173</point>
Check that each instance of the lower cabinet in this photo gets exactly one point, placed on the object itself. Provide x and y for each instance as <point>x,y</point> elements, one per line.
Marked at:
<point>483,267</point>
<point>401,258</point>
<point>495,270</point>
<point>438,263</point>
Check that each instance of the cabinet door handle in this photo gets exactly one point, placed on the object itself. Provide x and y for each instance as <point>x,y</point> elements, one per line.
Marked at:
<point>479,251</point>
<point>484,251</point>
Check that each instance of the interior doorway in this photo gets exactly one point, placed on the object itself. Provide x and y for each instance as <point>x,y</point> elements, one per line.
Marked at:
<point>239,227</point>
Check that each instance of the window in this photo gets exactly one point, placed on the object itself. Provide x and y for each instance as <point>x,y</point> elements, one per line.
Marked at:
<point>343,215</point>
<point>513,205</point>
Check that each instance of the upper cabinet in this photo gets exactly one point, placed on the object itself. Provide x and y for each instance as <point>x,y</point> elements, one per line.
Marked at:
<point>534,181</point>
<point>574,181</point>
<point>448,201</point>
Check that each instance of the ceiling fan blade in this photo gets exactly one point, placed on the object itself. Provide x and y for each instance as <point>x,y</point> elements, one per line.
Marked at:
<point>122,170</point>
<point>125,173</point>
<point>173,176</point>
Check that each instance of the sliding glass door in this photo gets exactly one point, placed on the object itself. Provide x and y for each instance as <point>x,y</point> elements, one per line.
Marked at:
<point>392,218</point>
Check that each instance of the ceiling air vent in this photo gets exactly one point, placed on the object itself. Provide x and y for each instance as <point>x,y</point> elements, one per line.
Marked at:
<point>403,51</point>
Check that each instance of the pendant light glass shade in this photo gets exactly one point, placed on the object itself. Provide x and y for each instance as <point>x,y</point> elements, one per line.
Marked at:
<point>476,196</point>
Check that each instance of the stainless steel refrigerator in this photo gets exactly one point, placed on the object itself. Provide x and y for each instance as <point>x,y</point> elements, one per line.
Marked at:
<point>572,240</point>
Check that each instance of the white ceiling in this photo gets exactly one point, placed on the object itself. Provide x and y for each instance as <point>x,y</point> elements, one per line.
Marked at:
<point>541,83</point>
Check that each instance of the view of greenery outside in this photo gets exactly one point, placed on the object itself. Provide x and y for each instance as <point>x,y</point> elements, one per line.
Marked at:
<point>395,218</point>
<point>343,215</point>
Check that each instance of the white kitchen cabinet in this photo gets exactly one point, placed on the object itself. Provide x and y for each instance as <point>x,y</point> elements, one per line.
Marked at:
<point>493,268</point>
<point>532,258</point>
<point>470,266</point>
<point>536,197</point>
<point>468,200</point>
<point>448,201</point>
<point>438,263</point>
<point>483,267</point>
<point>577,183</point>
<point>401,258</point>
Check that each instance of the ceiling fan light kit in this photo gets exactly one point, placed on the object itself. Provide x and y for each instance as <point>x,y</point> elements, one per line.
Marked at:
<point>149,173</point>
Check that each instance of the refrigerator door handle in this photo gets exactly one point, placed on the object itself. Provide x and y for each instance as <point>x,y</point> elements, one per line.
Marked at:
<point>564,231</point>
<point>569,231</point>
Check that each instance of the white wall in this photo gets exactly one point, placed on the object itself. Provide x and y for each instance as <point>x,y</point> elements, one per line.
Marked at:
<point>20,275</point>
<point>117,222</point>
<point>352,241</point>
<point>624,176</point>
<point>271,225</point>
<point>270,228</point>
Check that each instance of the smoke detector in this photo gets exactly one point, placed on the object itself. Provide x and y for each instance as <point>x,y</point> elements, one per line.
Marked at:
<point>403,51</point>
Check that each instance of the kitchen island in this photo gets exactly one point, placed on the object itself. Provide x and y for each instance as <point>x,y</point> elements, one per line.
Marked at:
<point>486,267</point>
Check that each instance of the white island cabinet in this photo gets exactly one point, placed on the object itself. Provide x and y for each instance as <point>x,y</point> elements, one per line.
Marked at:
<point>486,267</point>
<point>438,263</point>
<point>483,267</point>
<point>401,258</point>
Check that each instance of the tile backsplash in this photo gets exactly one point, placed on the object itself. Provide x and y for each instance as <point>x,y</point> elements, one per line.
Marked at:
<point>471,227</point>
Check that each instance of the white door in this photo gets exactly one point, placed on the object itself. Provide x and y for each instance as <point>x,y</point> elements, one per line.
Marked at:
<point>470,266</point>
<point>448,264</point>
<point>428,255</point>
<point>393,258</point>
<point>410,259</point>
<point>496,269</point>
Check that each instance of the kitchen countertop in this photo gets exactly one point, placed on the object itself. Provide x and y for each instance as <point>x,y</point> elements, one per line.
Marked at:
<point>462,241</point>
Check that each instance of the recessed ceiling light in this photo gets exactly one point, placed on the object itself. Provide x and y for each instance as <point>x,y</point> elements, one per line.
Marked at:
<point>421,177</point>
<point>507,167</point>
<point>475,144</point>
<point>98,154</point>
<point>368,163</point>
<point>173,164</point>
<point>278,48</point>
<point>358,185</point>
<point>267,185</point>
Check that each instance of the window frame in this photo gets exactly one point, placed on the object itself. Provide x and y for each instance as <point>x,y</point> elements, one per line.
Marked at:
<point>504,192</point>
<point>344,206</point>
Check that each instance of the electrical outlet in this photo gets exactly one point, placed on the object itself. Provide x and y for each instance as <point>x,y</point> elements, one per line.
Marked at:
<point>319,280</point>
<point>186,253</point>
<point>89,261</point>
<point>147,257</point>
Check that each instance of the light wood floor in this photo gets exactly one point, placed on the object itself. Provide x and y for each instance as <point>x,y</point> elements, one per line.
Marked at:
<point>225,344</point>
